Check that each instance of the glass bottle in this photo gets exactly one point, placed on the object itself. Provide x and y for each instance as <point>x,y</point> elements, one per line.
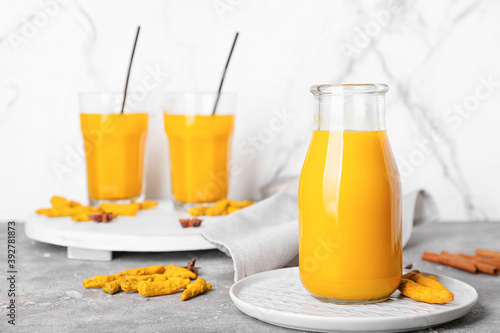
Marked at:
<point>350,248</point>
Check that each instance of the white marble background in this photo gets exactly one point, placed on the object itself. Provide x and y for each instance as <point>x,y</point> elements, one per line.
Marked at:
<point>440,58</point>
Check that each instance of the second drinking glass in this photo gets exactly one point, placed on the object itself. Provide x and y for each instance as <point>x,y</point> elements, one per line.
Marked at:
<point>200,145</point>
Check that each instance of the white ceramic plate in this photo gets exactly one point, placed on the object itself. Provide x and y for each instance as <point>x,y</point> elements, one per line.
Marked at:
<point>278,297</point>
<point>152,230</point>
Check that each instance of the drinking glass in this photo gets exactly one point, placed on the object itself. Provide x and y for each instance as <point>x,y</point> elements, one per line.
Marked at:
<point>115,145</point>
<point>200,145</point>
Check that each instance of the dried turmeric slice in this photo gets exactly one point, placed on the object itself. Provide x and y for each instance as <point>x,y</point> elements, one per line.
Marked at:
<point>197,287</point>
<point>158,288</point>
<point>98,281</point>
<point>424,289</point>
<point>179,272</point>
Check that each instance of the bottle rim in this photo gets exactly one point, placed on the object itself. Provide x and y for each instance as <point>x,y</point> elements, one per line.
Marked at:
<point>349,89</point>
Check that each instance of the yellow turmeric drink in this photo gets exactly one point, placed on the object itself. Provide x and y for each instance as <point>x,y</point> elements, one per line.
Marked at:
<point>114,150</point>
<point>350,217</point>
<point>199,156</point>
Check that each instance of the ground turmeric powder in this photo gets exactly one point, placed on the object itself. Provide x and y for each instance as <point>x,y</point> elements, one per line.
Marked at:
<point>158,288</point>
<point>197,287</point>
<point>424,289</point>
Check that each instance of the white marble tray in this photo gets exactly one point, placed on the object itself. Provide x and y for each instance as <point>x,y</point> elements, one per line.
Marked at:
<point>278,297</point>
<point>152,230</point>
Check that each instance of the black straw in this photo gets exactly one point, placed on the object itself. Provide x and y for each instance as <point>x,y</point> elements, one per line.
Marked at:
<point>224,73</point>
<point>129,68</point>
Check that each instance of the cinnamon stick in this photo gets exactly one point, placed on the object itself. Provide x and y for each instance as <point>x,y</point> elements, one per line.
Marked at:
<point>484,260</point>
<point>461,263</point>
<point>488,253</point>
<point>482,267</point>
<point>487,269</point>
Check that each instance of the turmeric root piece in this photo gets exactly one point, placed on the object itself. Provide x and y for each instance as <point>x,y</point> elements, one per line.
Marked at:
<point>223,207</point>
<point>81,218</point>
<point>79,213</point>
<point>198,211</point>
<point>62,207</point>
<point>218,209</point>
<point>66,211</point>
<point>424,289</point>
<point>57,201</point>
<point>120,209</point>
<point>146,204</point>
<point>99,281</point>
<point>418,277</point>
<point>197,287</point>
<point>44,211</point>
<point>112,287</point>
<point>158,288</point>
<point>157,269</point>
<point>179,272</point>
<point>231,209</point>
<point>240,204</point>
<point>131,283</point>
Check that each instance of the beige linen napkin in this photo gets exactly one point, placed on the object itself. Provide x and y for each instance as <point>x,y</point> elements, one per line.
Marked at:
<point>259,238</point>
<point>264,236</point>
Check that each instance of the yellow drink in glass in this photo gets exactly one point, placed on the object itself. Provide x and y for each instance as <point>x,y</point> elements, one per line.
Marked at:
<point>115,146</point>
<point>199,153</point>
<point>350,248</point>
<point>200,146</point>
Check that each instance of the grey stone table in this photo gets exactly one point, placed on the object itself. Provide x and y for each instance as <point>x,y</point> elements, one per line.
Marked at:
<point>50,296</point>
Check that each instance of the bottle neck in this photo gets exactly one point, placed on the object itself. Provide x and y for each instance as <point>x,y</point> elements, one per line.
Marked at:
<point>353,112</point>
